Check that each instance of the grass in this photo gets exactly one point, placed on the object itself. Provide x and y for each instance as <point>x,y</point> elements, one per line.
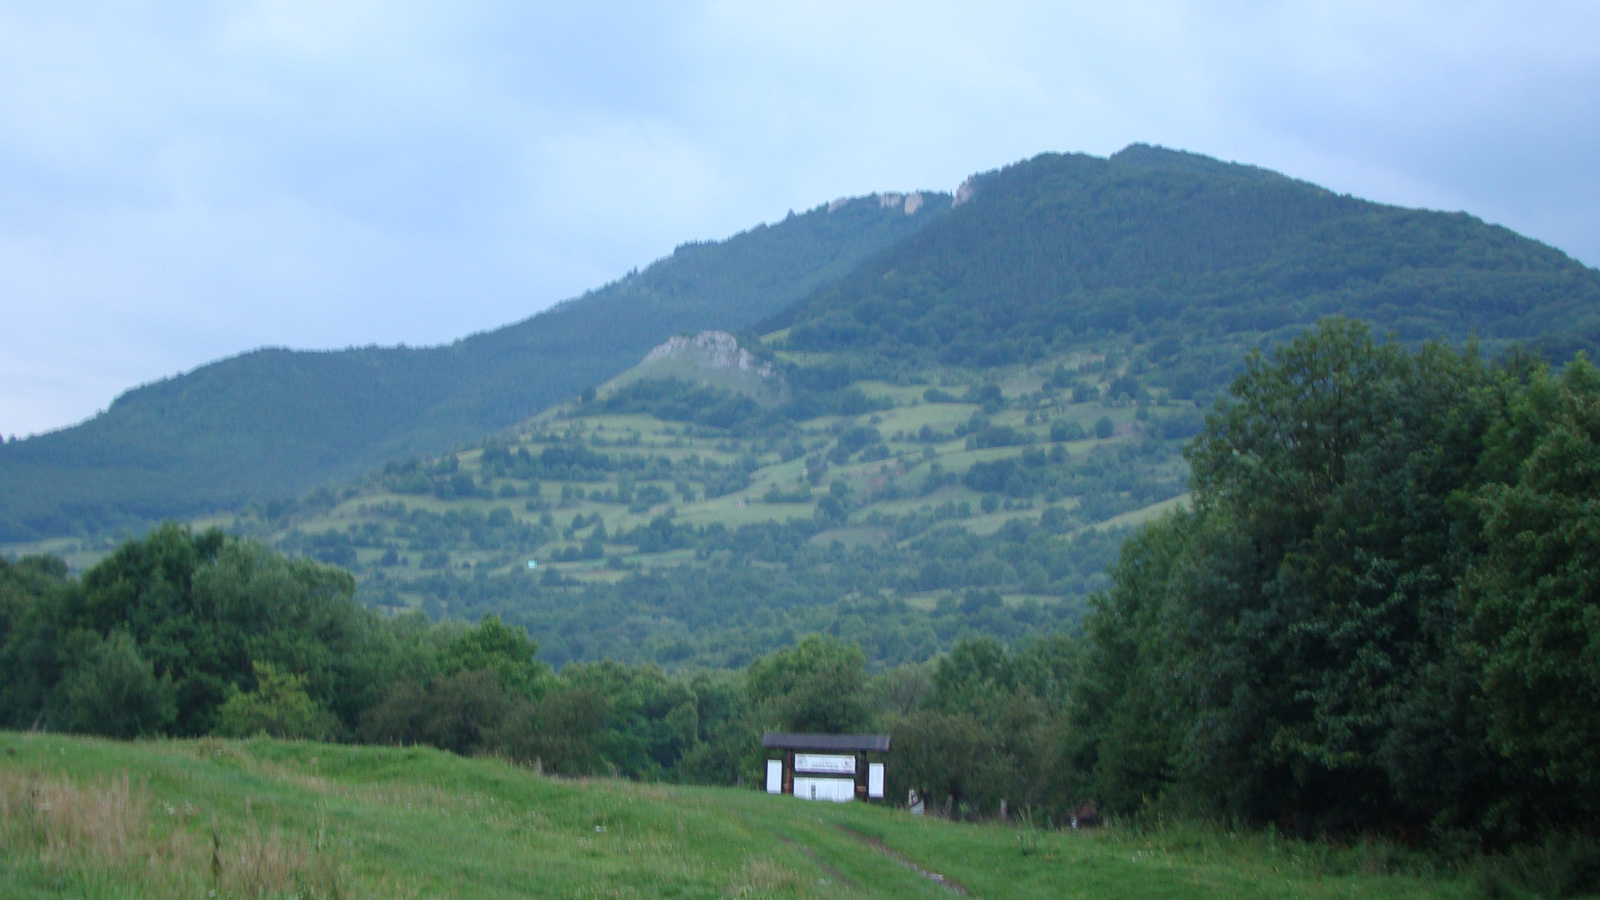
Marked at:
<point>92,818</point>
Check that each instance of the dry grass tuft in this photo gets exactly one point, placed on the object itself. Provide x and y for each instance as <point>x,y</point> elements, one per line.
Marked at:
<point>104,825</point>
<point>267,863</point>
<point>106,829</point>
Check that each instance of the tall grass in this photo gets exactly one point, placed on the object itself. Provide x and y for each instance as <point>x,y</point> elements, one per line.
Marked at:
<point>105,831</point>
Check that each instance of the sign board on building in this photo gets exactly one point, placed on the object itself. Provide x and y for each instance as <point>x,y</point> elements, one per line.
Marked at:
<point>831,767</point>
<point>839,790</point>
<point>825,763</point>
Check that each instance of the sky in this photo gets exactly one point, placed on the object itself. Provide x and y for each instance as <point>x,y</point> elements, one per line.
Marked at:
<point>188,180</point>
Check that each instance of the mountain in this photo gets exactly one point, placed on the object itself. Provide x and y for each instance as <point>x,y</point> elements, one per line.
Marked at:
<point>1061,249</point>
<point>948,441</point>
<point>713,503</point>
<point>272,423</point>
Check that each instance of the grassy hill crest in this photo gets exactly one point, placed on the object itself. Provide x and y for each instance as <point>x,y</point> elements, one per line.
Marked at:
<point>278,818</point>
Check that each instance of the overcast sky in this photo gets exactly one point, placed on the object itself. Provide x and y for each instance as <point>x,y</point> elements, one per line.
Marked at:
<point>182,181</point>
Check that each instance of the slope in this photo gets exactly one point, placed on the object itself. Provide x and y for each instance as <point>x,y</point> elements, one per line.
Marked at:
<point>1059,249</point>
<point>271,423</point>
<point>686,517</point>
<point>969,421</point>
<point>275,819</point>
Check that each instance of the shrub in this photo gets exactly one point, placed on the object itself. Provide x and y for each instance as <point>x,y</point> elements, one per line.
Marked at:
<point>279,706</point>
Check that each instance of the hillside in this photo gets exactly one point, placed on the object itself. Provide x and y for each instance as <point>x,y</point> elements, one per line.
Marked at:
<point>1195,258</point>
<point>953,437</point>
<point>277,819</point>
<point>272,423</point>
<point>955,432</point>
<point>678,520</point>
<point>1154,244</point>
<point>1370,623</point>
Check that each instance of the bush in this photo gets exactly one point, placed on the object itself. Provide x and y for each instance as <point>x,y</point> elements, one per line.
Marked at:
<point>279,706</point>
<point>1067,431</point>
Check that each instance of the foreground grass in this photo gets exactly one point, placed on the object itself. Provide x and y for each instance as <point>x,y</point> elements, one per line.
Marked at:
<point>90,818</point>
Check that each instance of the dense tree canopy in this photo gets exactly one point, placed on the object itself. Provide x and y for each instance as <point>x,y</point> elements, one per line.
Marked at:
<point>1349,629</point>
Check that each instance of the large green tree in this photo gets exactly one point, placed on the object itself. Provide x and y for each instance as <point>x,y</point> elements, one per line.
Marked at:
<point>1286,649</point>
<point>818,685</point>
<point>1534,596</point>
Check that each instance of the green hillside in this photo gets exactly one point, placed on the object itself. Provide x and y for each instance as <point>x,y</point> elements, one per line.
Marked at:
<point>211,818</point>
<point>1154,244</point>
<point>273,423</point>
<point>676,519</point>
<point>956,432</point>
<point>955,436</point>
<point>1371,627</point>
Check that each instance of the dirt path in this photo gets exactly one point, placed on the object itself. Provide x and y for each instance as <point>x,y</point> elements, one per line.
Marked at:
<point>828,870</point>
<point>941,880</point>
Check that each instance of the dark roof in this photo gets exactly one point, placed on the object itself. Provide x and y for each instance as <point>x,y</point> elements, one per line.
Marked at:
<point>872,743</point>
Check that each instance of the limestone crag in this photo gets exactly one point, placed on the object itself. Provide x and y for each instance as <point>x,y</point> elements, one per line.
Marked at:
<point>715,350</point>
<point>964,193</point>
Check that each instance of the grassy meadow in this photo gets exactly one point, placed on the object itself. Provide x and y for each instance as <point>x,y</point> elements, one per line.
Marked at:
<point>92,818</point>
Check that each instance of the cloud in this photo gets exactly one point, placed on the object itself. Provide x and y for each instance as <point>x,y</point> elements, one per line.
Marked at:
<point>187,181</point>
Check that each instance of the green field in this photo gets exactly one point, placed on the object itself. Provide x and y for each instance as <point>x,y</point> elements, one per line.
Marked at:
<point>83,817</point>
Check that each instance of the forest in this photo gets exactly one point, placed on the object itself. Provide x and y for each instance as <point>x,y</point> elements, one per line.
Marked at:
<point>1156,244</point>
<point>1376,616</point>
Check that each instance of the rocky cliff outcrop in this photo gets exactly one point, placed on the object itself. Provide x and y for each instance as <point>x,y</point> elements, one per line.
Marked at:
<point>713,350</point>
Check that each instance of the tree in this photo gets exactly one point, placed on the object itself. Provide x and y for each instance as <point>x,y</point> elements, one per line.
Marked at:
<point>816,686</point>
<point>561,730</point>
<point>1282,651</point>
<point>1534,596</point>
<point>493,645</point>
<point>114,690</point>
<point>458,712</point>
<point>278,706</point>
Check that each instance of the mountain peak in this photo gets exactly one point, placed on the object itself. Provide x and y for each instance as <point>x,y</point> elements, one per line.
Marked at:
<point>1155,156</point>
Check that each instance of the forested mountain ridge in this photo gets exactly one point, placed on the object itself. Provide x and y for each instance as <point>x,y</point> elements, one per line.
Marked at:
<point>272,423</point>
<point>967,420</point>
<point>1191,259</point>
<point>1152,242</point>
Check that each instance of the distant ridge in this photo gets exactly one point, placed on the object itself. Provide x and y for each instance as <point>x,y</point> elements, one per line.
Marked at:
<point>1060,248</point>
<point>272,423</point>
<point>1191,259</point>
